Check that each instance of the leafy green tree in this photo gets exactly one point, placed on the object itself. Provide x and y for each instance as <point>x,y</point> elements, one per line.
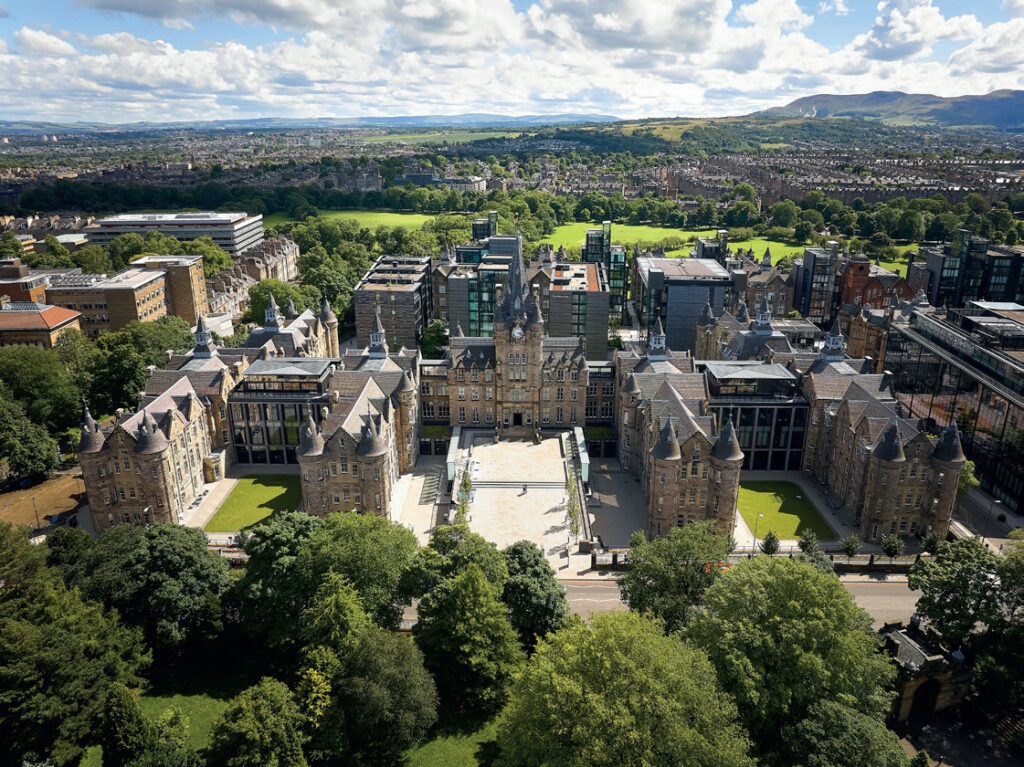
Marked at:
<point>66,548</point>
<point>58,654</point>
<point>271,594</point>
<point>1011,580</point>
<point>93,259</point>
<point>370,704</point>
<point>782,636</point>
<point>959,589</point>
<point>803,231</point>
<point>931,542</point>
<point>770,544</point>
<point>161,579</point>
<point>808,542</point>
<point>9,245</point>
<point>669,575</point>
<point>170,745</point>
<point>26,449</point>
<point>921,759</point>
<point>535,599</point>
<point>435,338</point>
<point>467,642</point>
<point>834,735</point>
<point>968,480</point>
<point>150,339</point>
<point>37,379</point>
<point>451,550</point>
<point>892,546</point>
<point>784,213</point>
<point>371,552</point>
<point>304,297</point>
<point>336,618</point>
<point>126,733</point>
<point>261,727</point>
<point>850,546</point>
<point>118,377</point>
<point>619,692</point>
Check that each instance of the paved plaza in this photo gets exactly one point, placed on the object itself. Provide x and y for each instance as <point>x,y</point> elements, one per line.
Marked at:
<point>617,506</point>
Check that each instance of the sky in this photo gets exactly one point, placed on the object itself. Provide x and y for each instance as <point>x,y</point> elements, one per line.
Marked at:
<point>158,60</point>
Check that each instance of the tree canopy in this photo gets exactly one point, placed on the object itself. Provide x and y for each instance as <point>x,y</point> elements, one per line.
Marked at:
<point>535,599</point>
<point>261,727</point>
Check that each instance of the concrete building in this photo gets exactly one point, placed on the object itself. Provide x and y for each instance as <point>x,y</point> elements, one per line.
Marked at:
<point>575,302</point>
<point>27,323</point>
<point>110,303</point>
<point>675,291</point>
<point>400,290</point>
<point>597,248</point>
<point>184,282</point>
<point>233,232</point>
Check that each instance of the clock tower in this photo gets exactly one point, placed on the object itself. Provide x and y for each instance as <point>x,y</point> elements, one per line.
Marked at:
<point>518,342</point>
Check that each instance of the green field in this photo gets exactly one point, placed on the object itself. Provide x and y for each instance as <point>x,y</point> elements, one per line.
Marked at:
<point>784,510</point>
<point>368,218</point>
<point>622,234</point>
<point>439,137</point>
<point>255,498</point>
<point>459,748</point>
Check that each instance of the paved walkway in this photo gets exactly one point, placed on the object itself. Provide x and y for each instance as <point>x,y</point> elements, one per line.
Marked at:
<point>412,504</point>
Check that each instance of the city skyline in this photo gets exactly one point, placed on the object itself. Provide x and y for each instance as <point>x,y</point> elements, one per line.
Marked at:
<point>119,61</point>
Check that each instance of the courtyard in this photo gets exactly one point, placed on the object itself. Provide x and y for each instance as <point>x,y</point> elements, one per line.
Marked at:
<point>255,498</point>
<point>781,507</point>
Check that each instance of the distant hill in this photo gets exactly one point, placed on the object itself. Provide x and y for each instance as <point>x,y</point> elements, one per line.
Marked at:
<point>1000,109</point>
<point>471,120</point>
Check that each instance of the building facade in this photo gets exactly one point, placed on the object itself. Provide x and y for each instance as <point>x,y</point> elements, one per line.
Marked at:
<point>399,290</point>
<point>233,232</point>
<point>26,323</point>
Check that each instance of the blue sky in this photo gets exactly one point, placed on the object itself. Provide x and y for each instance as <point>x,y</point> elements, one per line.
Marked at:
<point>127,60</point>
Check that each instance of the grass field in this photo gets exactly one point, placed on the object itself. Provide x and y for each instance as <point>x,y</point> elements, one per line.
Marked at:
<point>368,218</point>
<point>785,511</point>
<point>255,498</point>
<point>450,748</point>
<point>622,234</point>
<point>438,137</point>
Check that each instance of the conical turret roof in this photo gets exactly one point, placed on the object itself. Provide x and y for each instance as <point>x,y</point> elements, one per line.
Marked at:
<point>92,438</point>
<point>327,315</point>
<point>949,448</point>
<point>632,385</point>
<point>667,447</point>
<point>406,385</point>
<point>741,313</point>
<point>458,330</point>
<point>151,438</point>
<point>727,447</point>
<point>707,315</point>
<point>889,447</point>
<point>372,445</point>
<point>312,440</point>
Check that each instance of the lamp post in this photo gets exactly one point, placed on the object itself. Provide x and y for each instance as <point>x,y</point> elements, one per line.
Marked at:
<point>756,521</point>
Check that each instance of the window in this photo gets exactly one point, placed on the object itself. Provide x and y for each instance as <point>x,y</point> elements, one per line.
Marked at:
<point>489,393</point>
<point>572,395</point>
<point>488,375</point>
<point>903,475</point>
<point>661,478</point>
<point>376,474</point>
<point>120,494</point>
<point>608,390</point>
<point>462,415</point>
<point>693,495</point>
<point>917,501</point>
<point>591,409</point>
<point>679,520</point>
<point>885,478</point>
<point>694,466</point>
<point>474,375</point>
<point>592,390</point>
<point>574,375</point>
<point>336,498</point>
<point>476,415</point>
<point>334,469</point>
<point>475,394</point>
<point>425,388</point>
<point>558,415</point>
<point>714,506</point>
<point>913,468</point>
<point>460,375</point>
<point>572,415</point>
<point>559,394</point>
<point>560,375</point>
<point>376,500</point>
<point>346,494</point>
<point>462,393</point>
<point>428,409</point>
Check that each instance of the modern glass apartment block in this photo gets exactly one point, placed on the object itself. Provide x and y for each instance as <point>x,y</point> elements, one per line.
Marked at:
<point>969,366</point>
<point>971,269</point>
<point>270,405</point>
<point>767,408</point>
<point>816,285</point>
<point>598,249</point>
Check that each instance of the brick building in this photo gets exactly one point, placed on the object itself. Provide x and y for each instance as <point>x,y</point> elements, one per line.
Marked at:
<point>28,323</point>
<point>110,303</point>
<point>184,282</point>
<point>19,283</point>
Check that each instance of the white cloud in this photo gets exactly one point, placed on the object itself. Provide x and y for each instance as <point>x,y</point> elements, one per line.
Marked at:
<point>838,7</point>
<point>115,42</point>
<point>906,29</point>
<point>777,14</point>
<point>1015,7</point>
<point>36,42</point>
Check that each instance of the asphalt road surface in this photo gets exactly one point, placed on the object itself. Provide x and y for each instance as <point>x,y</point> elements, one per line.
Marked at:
<point>883,601</point>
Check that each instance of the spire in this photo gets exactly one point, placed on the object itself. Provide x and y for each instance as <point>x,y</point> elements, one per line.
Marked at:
<point>327,315</point>
<point>632,385</point>
<point>766,259</point>
<point>151,438</point>
<point>949,448</point>
<point>372,444</point>
<point>667,447</point>
<point>92,438</point>
<point>656,346</point>
<point>890,448</point>
<point>727,447</point>
<point>378,339</point>
<point>406,384</point>
<point>707,315</point>
<point>741,313</point>
<point>312,440</point>
<point>458,330</point>
<point>203,340</point>
<point>272,316</point>
<point>290,312</point>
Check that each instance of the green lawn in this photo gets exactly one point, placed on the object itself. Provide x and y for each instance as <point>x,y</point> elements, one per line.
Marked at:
<point>455,748</point>
<point>368,218</point>
<point>622,234</point>
<point>255,498</point>
<point>439,137</point>
<point>784,511</point>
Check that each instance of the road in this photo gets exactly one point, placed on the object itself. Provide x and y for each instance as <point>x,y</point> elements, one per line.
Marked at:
<point>883,601</point>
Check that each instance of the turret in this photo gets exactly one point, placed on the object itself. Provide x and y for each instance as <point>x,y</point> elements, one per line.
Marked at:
<point>656,346</point>
<point>378,339</point>
<point>290,312</point>
<point>834,349</point>
<point>707,314</point>
<point>272,316</point>
<point>151,438</point>
<point>312,443</point>
<point>330,321</point>
<point>890,447</point>
<point>741,313</point>
<point>726,462</point>
<point>92,438</point>
<point>667,446</point>
<point>204,347</point>
<point>948,461</point>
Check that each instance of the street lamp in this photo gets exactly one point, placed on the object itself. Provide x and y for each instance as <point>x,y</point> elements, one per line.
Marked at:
<point>756,521</point>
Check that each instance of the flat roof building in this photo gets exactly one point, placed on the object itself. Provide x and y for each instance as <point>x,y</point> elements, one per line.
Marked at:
<point>676,291</point>
<point>233,232</point>
<point>110,303</point>
<point>399,289</point>
<point>19,283</point>
<point>185,282</point>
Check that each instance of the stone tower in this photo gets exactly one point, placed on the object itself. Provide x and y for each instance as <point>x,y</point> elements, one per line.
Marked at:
<point>881,502</point>
<point>666,461</point>
<point>372,454</point>
<point>726,462</point>
<point>406,423</point>
<point>330,321</point>
<point>948,461</point>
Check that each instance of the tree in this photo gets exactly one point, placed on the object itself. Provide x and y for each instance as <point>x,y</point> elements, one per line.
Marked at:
<point>931,542</point>
<point>802,231</point>
<point>1011,581</point>
<point>850,546</point>
<point>93,259</point>
<point>467,642</point>
<point>304,297</point>
<point>336,618</point>
<point>959,589</point>
<point>370,704</point>
<point>451,550</point>
<point>784,213</point>
<point>58,654</point>
<point>808,542</point>
<point>26,449</point>
<point>669,576</point>
<point>118,377</point>
<point>261,727</point>
<point>770,544</point>
<point>150,339</point>
<point>371,552</point>
<point>834,735</point>
<point>434,339</point>
<point>783,636</point>
<point>169,746</point>
<point>66,548</point>
<point>620,691</point>
<point>161,579</point>
<point>892,546</point>
<point>572,505</point>
<point>270,592</point>
<point>968,480</point>
<point>535,600</point>
<point>126,733</point>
